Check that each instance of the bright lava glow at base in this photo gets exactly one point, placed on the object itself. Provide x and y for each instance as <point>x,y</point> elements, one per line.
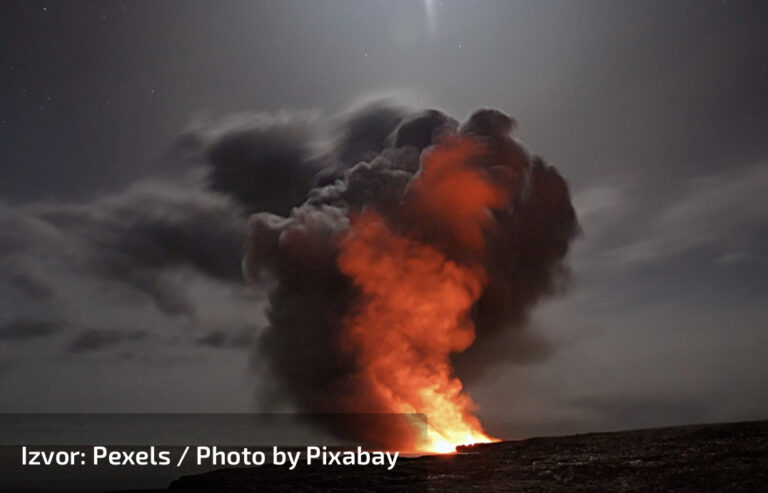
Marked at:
<point>415,302</point>
<point>440,445</point>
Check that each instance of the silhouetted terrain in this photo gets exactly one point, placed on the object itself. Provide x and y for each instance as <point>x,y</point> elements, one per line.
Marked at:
<point>701,458</point>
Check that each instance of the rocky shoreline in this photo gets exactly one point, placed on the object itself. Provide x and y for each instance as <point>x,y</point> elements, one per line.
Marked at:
<point>701,458</point>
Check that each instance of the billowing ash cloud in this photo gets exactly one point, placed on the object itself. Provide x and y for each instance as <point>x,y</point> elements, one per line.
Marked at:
<point>133,267</point>
<point>169,253</point>
<point>374,164</point>
<point>131,239</point>
<point>162,257</point>
<point>262,160</point>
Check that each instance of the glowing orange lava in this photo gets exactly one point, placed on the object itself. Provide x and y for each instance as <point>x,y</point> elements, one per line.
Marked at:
<point>415,300</point>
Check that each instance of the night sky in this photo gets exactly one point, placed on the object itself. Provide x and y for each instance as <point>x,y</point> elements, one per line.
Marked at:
<point>655,112</point>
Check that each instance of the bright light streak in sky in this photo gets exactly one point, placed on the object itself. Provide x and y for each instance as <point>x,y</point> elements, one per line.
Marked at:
<point>429,6</point>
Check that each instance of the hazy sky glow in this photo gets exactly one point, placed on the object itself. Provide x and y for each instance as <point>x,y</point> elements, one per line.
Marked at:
<point>655,113</point>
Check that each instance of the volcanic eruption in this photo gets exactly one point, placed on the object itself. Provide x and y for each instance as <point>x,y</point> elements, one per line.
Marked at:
<point>418,247</point>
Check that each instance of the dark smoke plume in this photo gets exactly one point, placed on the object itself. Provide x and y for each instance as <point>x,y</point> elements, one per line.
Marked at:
<point>375,162</point>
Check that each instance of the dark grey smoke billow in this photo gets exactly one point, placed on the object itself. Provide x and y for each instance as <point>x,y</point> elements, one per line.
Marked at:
<point>262,160</point>
<point>370,165</point>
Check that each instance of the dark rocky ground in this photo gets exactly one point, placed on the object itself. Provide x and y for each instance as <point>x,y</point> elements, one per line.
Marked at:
<point>702,458</point>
